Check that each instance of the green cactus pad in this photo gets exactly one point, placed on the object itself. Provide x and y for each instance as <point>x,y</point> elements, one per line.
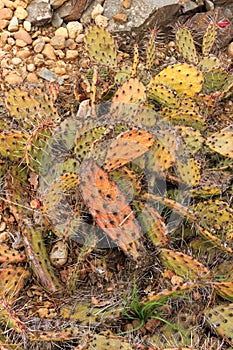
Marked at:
<point>221,318</point>
<point>163,95</point>
<point>184,117</point>
<point>225,289</point>
<point>10,255</point>
<point>106,342</point>
<point>188,171</point>
<point>184,265</point>
<point>208,63</point>
<point>12,144</point>
<point>209,38</point>
<point>127,180</point>
<point>214,80</point>
<point>222,142</point>
<point>152,224</point>
<point>185,45</point>
<point>100,46</point>
<point>123,74</point>
<point>185,79</point>
<point>193,140</point>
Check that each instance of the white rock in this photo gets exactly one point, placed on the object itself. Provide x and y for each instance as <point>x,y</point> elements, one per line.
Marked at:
<point>27,26</point>
<point>62,31</point>
<point>16,61</point>
<point>74,29</point>
<point>59,254</point>
<point>80,38</point>
<point>98,10</point>
<point>21,13</point>
<point>31,67</point>
<point>101,21</point>
<point>71,54</point>
<point>13,25</point>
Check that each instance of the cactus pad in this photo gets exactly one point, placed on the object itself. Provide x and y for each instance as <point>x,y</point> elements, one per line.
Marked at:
<point>189,171</point>
<point>9,255</point>
<point>109,207</point>
<point>12,144</point>
<point>221,318</point>
<point>214,80</point>
<point>192,139</point>
<point>12,281</point>
<point>100,46</point>
<point>184,265</point>
<point>209,38</point>
<point>185,45</point>
<point>104,342</point>
<point>208,63</point>
<point>225,289</point>
<point>185,79</point>
<point>163,95</point>
<point>222,142</point>
<point>126,147</point>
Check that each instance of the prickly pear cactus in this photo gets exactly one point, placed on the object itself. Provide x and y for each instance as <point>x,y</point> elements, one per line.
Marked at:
<point>12,144</point>
<point>163,95</point>
<point>189,171</point>
<point>104,341</point>
<point>185,45</point>
<point>100,46</point>
<point>13,279</point>
<point>10,255</point>
<point>221,319</point>
<point>209,38</point>
<point>193,140</point>
<point>184,265</point>
<point>222,142</point>
<point>225,289</point>
<point>214,80</point>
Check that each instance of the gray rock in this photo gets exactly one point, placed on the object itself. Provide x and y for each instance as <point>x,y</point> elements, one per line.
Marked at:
<point>191,5</point>
<point>50,76</point>
<point>65,9</point>
<point>209,5</point>
<point>39,12</point>
<point>56,20</point>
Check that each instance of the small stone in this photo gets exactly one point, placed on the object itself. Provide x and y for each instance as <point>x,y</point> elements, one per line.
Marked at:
<point>1,4</point>
<point>20,13</point>
<point>4,23</point>
<point>2,226</point>
<point>13,78</point>
<point>13,25</point>
<point>59,254</point>
<point>80,38</point>
<point>120,18</point>
<point>39,46</point>
<point>22,3</point>
<point>20,43</point>
<point>59,70</point>
<point>32,78</point>
<point>98,10</point>
<point>16,61</point>
<point>101,21</point>
<point>230,50</point>
<point>48,52</point>
<point>4,237</point>
<point>59,53</point>
<point>11,41</point>
<point>22,34</point>
<point>31,67</point>
<point>74,29</point>
<point>126,4</point>
<point>57,3</point>
<point>56,20</point>
<point>71,54</point>
<point>58,42</point>
<point>2,54</point>
<point>25,53</point>
<point>62,31</point>
<point>39,60</point>
<point>27,26</point>
<point>70,44</point>
<point>48,75</point>
<point>6,14</point>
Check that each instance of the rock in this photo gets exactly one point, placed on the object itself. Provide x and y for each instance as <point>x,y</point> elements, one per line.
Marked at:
<point>64,10</point>
<point>62,31</point>
<point>11,41</point>
<point>13,25</point>
<point>189,5</point>
<point>39,60</point>
<point>74,29</point>
<point>13,78</point>
<point>80,38</point>
<point>32,78</point>
<point>48,52</point>
<point>70,44</point>
<point>6,14</point>
<point>2,4</point>
<point>57,3</point>
<point>16,61</point>
<point>46,74</point>
<point>4,23</point>
<point>27,26</point>
<point>2,226</point>
<point>39,12</point>
<point>56,20</point>
<point>20,43</point>
<point>209,5</point>
<point>71,54</point>
<point>25,53</point>
<point>98,10</point>
<point>58,42</point>
<point>23,35</point>
<point>230,50</point>
<point>23,3</point>
<point>126,4</point>
<point>31,67</point>
<point>76,10</point>
<point>39,46</point>
<point>59,254</point>
<point>101,21</point>
<point>120,18</point>
<point>59,53</point>
<point>20,13</point>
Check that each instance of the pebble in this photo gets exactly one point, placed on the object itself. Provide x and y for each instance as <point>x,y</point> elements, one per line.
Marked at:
<point>98,10</point>
<point>59,254</point>
<point>101,21</point>
<point>31,67</point>
<point>59,53</point>
<point>74,28</point>
<point>1,4</point>
<point>80,38</point>
<point>120,18</point>
<point>62,31</point>
<point>2,226</point>
<point>27,26</point>
<point>22,3</point>
<point>39,46</point>
<point>6,14</point>
<point>20,13</point>
<point>16,61</point>
<point>230,50</point>
<point>32,78</point>
<point>25,53</point>
<point>126,4</point>
<point>22,34</point>
<point>4,23</point>
<point>11,41</point>
<point>13,78</point>
<point>48,52</point>
<point>71,54</point>
<point>58,42</point>
<point>70,44</point>
<point>13,25</point>
<point>20,43</point>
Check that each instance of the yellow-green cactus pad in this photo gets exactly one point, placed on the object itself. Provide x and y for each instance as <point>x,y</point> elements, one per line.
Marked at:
<point>222,142</point>
<point>185,45</point>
